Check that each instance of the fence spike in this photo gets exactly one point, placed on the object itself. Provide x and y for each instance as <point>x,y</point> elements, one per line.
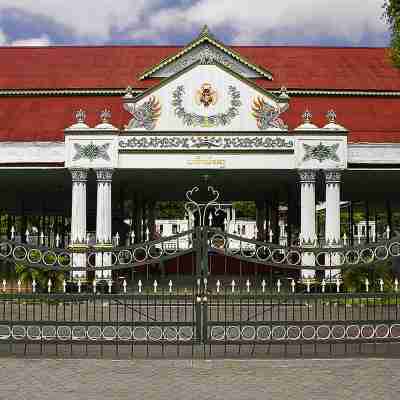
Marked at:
<point>147,234</point>
<point>124,285</point>
<point>388,232</point>
<point>263,284</point>
<point>293,284</point>
<point>49,286</point>
<point>132,237</point>
<point>218,285</point>
<point>344,239</point>
<point>381,284</point>
<point>308,284</point>
<point>248,286</point>
<point>117,237</point>
<point>373,236</point>
<point>33,286</point>
<point>109,283</point>
<point>94,285</point>
<point>12,232</point>
<point>205,283</point>
<point>366,285</point>
<point>210,219</point>
<point>155,286</point>
<point>42,238</point>
<point>396,285</point>
<point>19,285</point>
<point>58,240</point>
<point>4,285</point>
<point>323,284</point>
<point>79,285</point>
<point>170,286</point>
<point>278,284</point>
<point>337,285</point>
<point>140,286</point>
<point>233,286</point>
<point>27,236</point>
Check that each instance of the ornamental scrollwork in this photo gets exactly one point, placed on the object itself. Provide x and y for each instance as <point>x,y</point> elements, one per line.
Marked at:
<point>144,116</point>
<point>207,142</point>
<point>267,115</point>
<point>192,119</point>
<point>91,151</point>
<point>321,152</point>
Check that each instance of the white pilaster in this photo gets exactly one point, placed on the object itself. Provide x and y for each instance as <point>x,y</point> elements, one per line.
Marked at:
<point>78,219</point>
<point>308,227</point>
<point>103,220</point>
<point>332,221</point>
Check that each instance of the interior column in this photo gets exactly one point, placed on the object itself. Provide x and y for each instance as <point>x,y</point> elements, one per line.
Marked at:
<point>307,224</point>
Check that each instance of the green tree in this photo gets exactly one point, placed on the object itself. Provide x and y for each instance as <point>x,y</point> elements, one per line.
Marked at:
<point>392,17</point>
<point>245,209</point>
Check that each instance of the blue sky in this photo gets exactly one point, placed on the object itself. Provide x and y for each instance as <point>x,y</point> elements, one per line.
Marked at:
<point>259,22</point>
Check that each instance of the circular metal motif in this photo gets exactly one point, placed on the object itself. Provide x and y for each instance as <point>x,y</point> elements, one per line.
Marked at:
<point>20,253</point>
<point>323,332</point>
<point>367,331</point>
<point>218,333</point>
<point>33,333</point>
<point>109,333</point>
<point>124,333</point>
<point>395,331</point>
<point>155,251</point>
<point>78,333</point>
<point>308,332</point>
<point>338,332</point>
<point>49,332</point>
<point>352,257</point>
<point>94,332</point>
<point>367,255</point>
<point>278,256</point>
<point>64,332</point>
<point>185,333</point>
<point>5,249</point>
<point>382,331</point>
<point>233,332</point>
<point>139,333</point>
<point>5,332</point>
<point>218,241</point>
<point>139,254</point>
<point>64,259</point>
<point>34,256</point>
<point>248,333</point>
<point>170,333</point>
<point>155,333</point>
<point>125,257</point>
<point>394,249</point>
<point>293,333</point>
<point>278,332</point>
<point>49,258</point>
<point>263,253</point>
<point>18,332</point>
<point>381,253</point>
<point>293,257</point>
<point>353,332</point>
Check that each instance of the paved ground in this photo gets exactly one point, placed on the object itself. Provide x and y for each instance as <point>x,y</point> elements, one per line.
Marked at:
<point>183,379</point>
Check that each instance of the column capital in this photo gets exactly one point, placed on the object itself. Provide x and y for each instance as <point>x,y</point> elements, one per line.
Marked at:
<point>307,175</point>
<point>332,175</point>
<point>79,174</point>
<point>104,174</point>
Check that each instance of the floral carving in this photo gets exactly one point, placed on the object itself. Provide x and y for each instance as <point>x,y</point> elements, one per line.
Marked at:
<point>91,151</point>
<point>192,119</point>
<point>267,115</point>
<point>146,115</point>
<point>321,152</point>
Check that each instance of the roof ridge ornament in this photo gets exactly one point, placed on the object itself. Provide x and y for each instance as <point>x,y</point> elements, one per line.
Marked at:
<point>307,116</point>
<point>80,116</point>
<point>331,116</point>
<point>105,116</point>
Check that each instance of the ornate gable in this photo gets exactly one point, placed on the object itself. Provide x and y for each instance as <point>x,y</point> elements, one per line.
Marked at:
<point>206,49</point>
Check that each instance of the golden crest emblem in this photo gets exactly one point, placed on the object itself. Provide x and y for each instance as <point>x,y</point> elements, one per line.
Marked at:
<point>206,95</point>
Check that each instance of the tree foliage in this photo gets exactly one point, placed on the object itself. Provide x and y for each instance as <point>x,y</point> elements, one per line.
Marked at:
<point>392,17</point>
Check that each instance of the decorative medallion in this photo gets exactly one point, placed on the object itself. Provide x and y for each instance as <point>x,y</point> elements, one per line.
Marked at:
<point>206,95</point>
<point>267,115</point>
<point>91,151</point>
<point>192,119</point>
<point>321,152</point>
<point>145,115</point>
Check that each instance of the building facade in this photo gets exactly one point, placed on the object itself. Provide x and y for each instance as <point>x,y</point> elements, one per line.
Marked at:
<point>92,136</point>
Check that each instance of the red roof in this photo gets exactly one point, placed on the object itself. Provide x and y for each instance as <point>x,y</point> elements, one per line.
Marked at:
<point>44,118</point>
<point>369,119</point>
<point>119,67</point>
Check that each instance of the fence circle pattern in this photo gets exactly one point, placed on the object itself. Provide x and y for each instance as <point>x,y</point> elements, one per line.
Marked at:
<point>395,253</point>
<point>381,257</point>
<point>248,333</point>
<point>293,332</point>
<point>49,258</point>
<point>266,255</point>
<point>232,333</point>
<point>5,249</point>
<point>155,251</point>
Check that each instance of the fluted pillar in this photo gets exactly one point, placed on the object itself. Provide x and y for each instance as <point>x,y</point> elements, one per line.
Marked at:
<point>78,220</point>
<point>308,228</point>
<point>332,220</point>
<point>103,220</point>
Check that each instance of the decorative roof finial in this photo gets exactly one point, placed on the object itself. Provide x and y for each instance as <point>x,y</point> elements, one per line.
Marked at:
<point>205,30</point>
<point>331,116</point>
<point>283,94</point>
<point>129,90</point>
<point>307,116</point>
<point>80,116</point>
<point>105,116</point>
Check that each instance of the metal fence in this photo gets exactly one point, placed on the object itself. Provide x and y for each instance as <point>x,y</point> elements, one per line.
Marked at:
<point>241,319</point>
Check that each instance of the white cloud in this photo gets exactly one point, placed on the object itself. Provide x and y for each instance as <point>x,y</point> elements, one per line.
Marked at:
<point>249,21</point>
<point>43,40</point>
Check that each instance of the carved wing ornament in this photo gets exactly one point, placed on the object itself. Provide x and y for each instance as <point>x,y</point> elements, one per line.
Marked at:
<point>321,152</point>
<point>144,116</point>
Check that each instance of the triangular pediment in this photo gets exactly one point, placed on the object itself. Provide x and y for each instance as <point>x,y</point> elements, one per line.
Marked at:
<point>206,49</point>
<point>206,98</point>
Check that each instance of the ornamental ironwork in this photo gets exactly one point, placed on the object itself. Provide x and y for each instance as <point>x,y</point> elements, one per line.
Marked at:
<point>267,115</point>
<point>207,142</point>
<point>321,152</point>
<point>192,119</point>
<point>144,116</point>
<point>91,151</point>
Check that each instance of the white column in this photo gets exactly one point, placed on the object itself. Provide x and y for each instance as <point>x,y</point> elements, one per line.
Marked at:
<point>308,228</point>
<point>78,220</point>
<point>332,220</point>
<point>103,220</point>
